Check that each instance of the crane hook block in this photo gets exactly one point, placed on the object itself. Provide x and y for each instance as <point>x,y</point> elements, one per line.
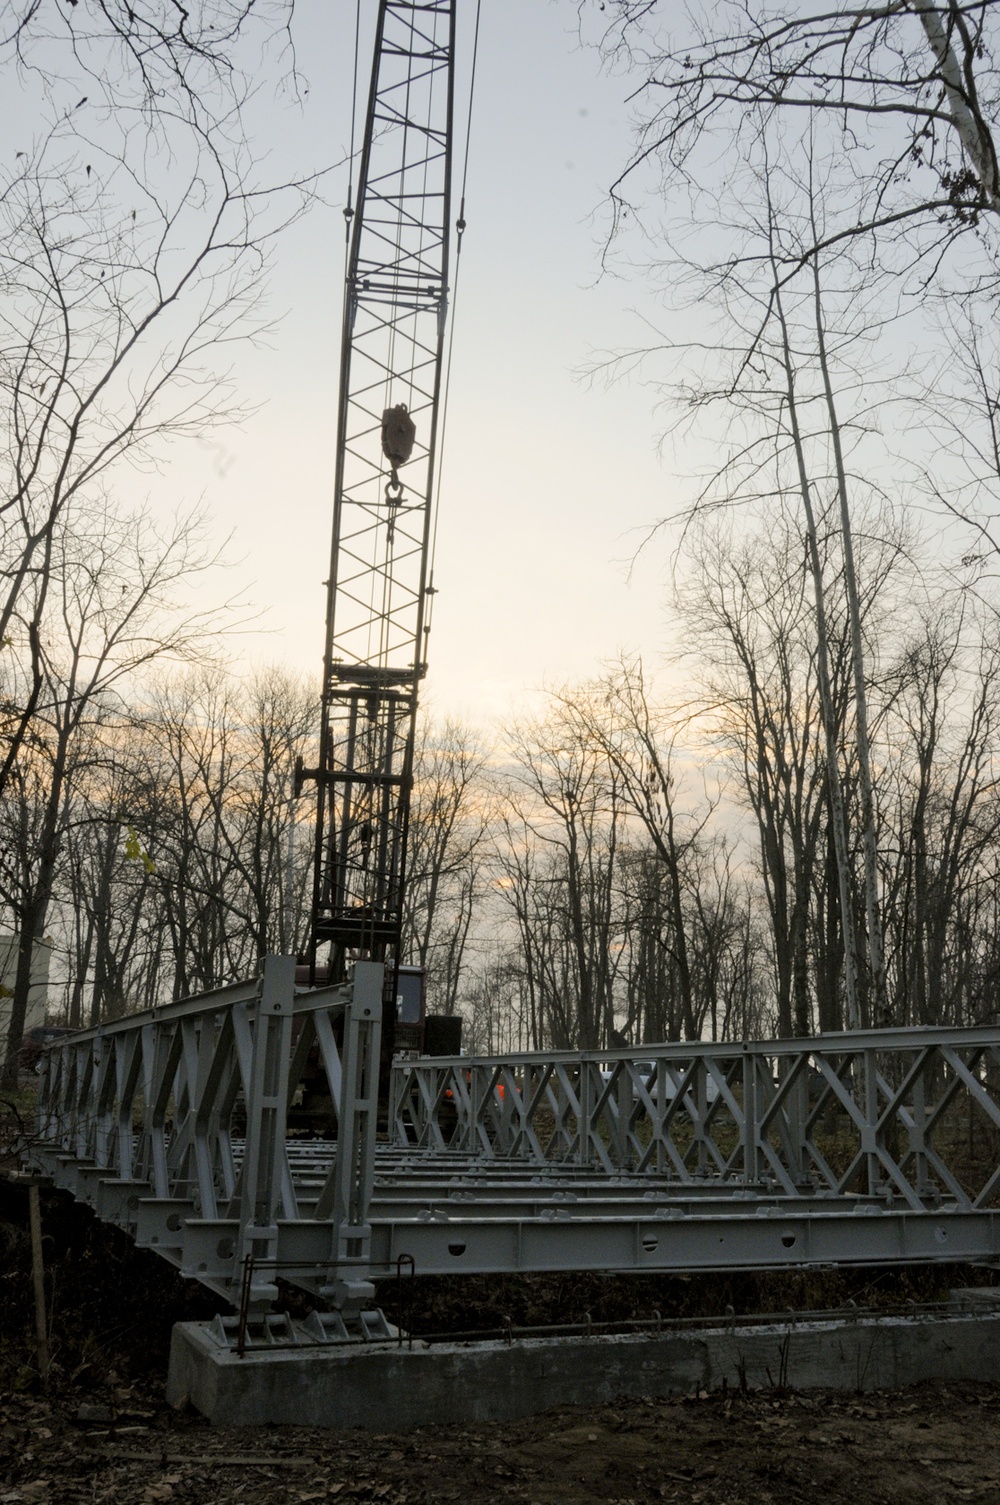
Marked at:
<point>398,433</point>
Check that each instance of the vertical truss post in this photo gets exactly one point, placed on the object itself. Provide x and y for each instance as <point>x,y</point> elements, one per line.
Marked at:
<point>354,1172</point>
<point>797,1113</point>
<point>104,1083</point>
<point>379,587</point>
<point>129,1059</point>
<point>586,1127</point>
<point>752,1158</point>
<point>398,1087</point>
<point>266,1095</point>
<point>699,1114</point>
<point>87,1065</point>
<point>868,1061</point>
<point>618,1137</point>
<point>917,1129</point>
<point>155,1057</point>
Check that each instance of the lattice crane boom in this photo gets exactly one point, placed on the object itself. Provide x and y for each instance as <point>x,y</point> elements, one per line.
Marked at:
<point>395,310</point>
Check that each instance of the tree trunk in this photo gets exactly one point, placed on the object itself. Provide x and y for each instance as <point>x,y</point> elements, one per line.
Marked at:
<point>32,926</point>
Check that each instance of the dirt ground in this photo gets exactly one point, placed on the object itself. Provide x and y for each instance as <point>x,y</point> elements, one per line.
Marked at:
<point>933,1443</point>
<point>103,1432</point>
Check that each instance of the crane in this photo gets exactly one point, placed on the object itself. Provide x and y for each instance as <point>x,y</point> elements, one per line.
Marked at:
<point>380,585</point>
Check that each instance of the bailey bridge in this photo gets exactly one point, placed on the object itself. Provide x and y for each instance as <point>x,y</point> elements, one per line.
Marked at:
<point>861,1148</point>
<point>877,1147</point>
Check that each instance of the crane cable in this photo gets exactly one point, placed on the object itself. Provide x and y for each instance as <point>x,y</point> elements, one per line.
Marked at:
<point>349,206</point>
<point>460,224</point>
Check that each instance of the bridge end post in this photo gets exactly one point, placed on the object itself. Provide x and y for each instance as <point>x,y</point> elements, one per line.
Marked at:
<point>354,1176</point>
<point>266,1106</point>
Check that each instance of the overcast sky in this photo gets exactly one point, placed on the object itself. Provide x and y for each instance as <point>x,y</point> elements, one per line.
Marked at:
<point>546,478</point>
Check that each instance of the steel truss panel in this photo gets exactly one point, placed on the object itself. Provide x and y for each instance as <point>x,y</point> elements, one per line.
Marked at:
<point>876,1113</point>
<point>178,1115</point>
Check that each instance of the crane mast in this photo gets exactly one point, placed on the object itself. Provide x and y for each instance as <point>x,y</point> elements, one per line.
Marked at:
<point>379,590</point>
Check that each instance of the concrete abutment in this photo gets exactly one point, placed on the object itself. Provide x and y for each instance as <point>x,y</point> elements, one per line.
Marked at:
<point>385,1387</point>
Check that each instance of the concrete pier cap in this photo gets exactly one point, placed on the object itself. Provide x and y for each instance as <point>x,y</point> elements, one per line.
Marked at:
<point>393,1386</point>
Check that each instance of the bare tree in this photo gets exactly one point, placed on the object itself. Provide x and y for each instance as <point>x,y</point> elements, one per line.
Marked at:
<point>629,918</point>
<point>637,741</point>
<point>958,403</point>
<point>110,608</point>
<point>561,827</point>
<point>449,827</point>
<point>900,105</point>
<point>116,296</point>
<point>219,820</point>
<point>940,766</point>
<point>793,325</point>
<point>729,956</point>
<point>908,92</point>
<point>255,815</point>
<point>104,907</point>
<point>181,869</point>
<point>497,1008</point>
<point>151,67</point>
<point>746,613</point>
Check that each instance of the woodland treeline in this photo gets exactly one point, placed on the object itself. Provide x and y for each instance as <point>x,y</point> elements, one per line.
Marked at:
<point>618,865</point>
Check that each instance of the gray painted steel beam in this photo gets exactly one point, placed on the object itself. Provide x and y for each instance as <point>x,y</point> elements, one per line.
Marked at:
<point>676,1244</point>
